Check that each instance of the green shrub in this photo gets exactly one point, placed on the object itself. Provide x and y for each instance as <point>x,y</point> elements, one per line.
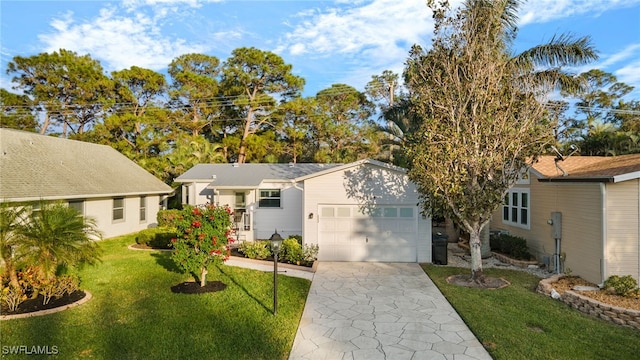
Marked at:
<point>298,238</point>
<point>167,218</point>
<point>255,249</point>
<point>622,285</point>
<point>157,238</point>
<point>512,246</point>
<point>291,251</point>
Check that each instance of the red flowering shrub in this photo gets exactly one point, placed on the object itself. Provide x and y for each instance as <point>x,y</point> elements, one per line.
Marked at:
<point>204,235</point>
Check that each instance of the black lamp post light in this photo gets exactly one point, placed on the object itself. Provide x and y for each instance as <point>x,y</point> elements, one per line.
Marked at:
<point>276,241</point>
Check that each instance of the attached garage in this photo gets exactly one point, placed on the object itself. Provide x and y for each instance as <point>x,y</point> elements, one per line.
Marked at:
<point>385,233</point>
<point>365,211</point>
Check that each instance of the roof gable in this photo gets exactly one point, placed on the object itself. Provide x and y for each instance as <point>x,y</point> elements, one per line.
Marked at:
<point>37,167</point>
<point>589,168</point>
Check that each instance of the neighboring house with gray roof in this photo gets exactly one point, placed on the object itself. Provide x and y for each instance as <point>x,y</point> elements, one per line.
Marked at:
<point>585,207</point>
<point>361,211</point>
<point>95,179</point>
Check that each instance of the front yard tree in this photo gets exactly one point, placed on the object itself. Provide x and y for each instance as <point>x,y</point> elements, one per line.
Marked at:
<point>255,81</point>
<point>481,121</point>
<point>203,238</point>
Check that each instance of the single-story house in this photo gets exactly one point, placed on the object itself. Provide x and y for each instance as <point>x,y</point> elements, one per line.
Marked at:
<point>362,211</point>
<point>95,179</point>
<point>581,213</point>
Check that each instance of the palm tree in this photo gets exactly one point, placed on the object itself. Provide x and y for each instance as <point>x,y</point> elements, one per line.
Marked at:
<point>11,217</point>
<point>57,236</point>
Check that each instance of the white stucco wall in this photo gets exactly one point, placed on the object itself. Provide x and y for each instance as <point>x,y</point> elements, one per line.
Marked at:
<point>102,209</point>
<point>365,185</point>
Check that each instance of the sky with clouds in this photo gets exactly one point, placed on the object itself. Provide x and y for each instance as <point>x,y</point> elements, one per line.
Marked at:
<point>327,42</point>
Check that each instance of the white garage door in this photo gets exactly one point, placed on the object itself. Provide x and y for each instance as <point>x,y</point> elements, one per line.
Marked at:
<point>384,233</point>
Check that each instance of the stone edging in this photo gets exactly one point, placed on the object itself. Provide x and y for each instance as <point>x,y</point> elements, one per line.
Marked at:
<point>617,315</point>
<point>514,262</point>
<point>87,297</point>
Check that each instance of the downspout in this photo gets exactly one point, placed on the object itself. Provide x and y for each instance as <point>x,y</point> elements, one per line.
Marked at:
<point>603,261</point>
<point>295,185</point>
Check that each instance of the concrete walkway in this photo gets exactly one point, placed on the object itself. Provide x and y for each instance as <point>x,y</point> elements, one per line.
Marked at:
<point>380,311</point>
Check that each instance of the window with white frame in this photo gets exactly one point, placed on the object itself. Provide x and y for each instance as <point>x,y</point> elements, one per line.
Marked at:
<point>143,209</point>
<point>516,208</point>
<point>269,198</point>
<point>118,209</point>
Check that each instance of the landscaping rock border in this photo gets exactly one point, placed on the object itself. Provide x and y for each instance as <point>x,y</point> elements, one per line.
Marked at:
<point>87,297</point>
<point>514,262</point>
<point>616,315</point>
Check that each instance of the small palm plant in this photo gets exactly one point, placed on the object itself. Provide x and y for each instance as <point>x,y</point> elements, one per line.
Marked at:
<point>56,237</point>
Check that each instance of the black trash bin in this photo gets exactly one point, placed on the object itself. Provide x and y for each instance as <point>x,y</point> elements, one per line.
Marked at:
<point>439,243</point>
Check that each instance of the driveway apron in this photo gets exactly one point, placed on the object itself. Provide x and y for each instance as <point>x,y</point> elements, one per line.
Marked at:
<point>380,311</point>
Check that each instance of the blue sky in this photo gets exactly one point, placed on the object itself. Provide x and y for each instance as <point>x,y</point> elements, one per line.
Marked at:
<point>327,42</point>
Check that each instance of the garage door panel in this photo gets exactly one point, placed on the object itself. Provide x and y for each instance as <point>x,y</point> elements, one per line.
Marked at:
<point>386,233</point>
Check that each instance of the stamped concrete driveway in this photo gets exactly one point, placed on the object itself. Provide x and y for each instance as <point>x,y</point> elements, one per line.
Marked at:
<point>380,311</point>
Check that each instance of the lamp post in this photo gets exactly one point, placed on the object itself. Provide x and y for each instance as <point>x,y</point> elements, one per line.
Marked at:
<point>276,241</point>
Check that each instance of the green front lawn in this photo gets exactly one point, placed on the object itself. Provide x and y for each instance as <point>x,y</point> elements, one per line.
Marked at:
<point>517,323</point>
<point>134,314</point>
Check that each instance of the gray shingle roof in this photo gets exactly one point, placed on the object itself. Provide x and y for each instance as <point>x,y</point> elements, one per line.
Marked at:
<point>34,167</point>
<point>249,175</point>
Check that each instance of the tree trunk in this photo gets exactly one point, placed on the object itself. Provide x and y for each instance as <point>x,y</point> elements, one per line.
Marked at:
<point>203,276</point>
<point>476,255</point>
<point>13,277</point>
<point>485,245</point>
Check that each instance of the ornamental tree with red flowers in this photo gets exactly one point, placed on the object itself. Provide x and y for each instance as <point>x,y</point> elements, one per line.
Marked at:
<point>203,238</point>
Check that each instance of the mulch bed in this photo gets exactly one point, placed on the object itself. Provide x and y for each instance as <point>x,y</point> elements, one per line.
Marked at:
<point>33,305</point>
<point>488,283</point>
<point>191,287</point>
<point>568,282</point>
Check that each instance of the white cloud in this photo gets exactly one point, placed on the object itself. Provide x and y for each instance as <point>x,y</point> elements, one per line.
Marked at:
<point>118,41</point>
<point>541,11</point>
<point>380,28</point>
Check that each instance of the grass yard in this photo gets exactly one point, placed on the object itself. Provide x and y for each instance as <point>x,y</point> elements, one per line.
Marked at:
<point>134,314</point>
<point>517,323</point>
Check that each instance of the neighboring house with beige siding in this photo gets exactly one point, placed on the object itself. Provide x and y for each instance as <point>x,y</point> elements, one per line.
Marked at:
<point>95,179</point>
<point>595,202</point>
<point>361,211</point>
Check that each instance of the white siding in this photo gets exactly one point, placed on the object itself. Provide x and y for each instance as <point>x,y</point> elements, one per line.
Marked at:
<point>197,193</point>
<point>581,208</point>
<point>622,243</point>
<point>287,219</point>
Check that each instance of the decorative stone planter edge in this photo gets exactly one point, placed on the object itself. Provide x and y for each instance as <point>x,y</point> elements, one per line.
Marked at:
<point>514,262</point>
<point>613,314</point>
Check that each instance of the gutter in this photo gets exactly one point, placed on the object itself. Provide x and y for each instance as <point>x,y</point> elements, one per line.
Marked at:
<point>87,196</point>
